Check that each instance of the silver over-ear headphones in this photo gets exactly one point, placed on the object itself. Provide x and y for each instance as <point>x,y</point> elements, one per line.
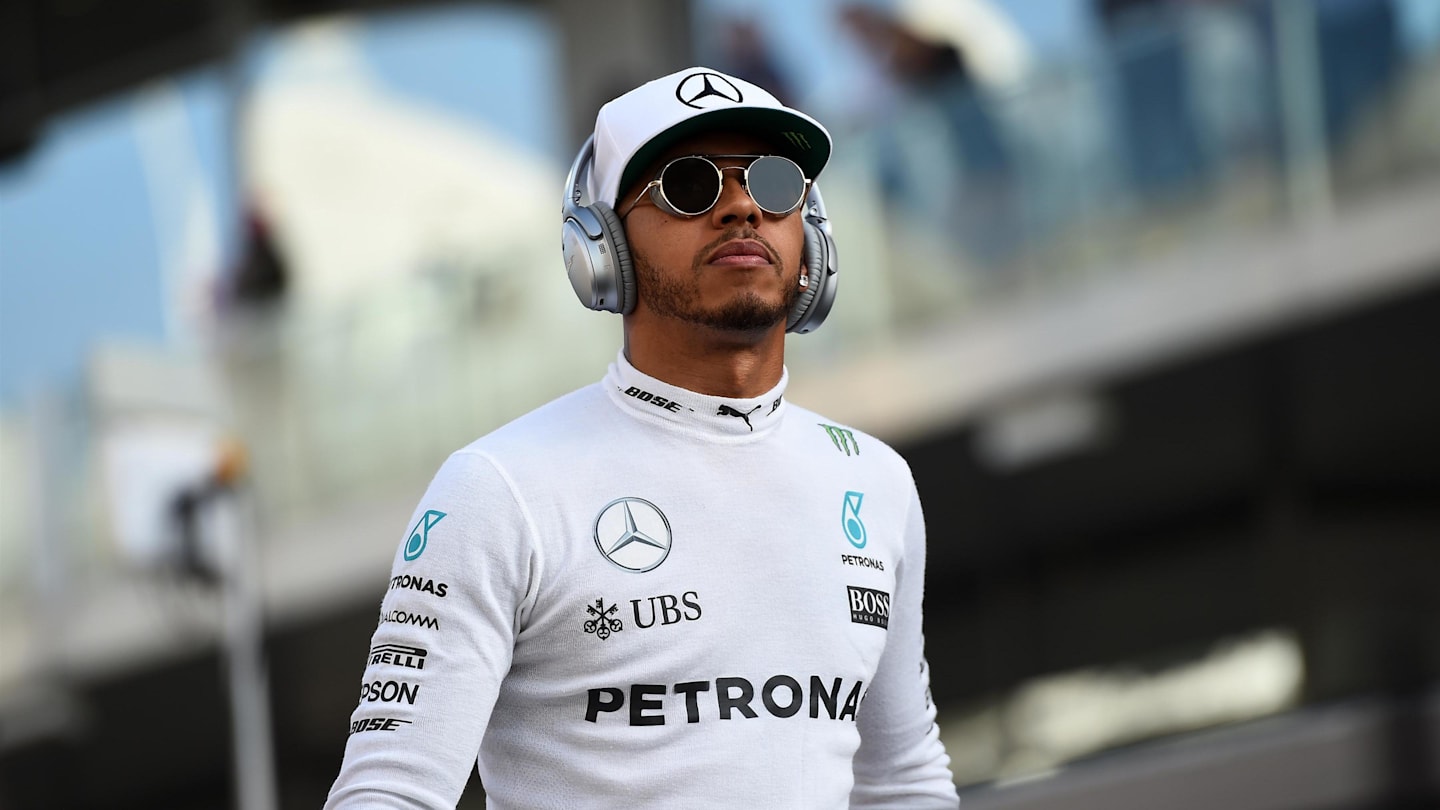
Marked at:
<point>597,258</point>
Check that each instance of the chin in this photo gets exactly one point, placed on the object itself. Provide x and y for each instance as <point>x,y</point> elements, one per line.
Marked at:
<point>747,313</point>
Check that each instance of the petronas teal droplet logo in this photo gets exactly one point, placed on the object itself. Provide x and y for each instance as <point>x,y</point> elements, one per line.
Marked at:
<point>420,534</point>
<point>850,519</point>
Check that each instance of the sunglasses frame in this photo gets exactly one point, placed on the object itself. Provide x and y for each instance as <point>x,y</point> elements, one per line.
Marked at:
<point>656,189</point>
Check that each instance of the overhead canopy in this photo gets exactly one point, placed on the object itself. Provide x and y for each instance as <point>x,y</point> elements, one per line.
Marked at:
<point>58,54</point>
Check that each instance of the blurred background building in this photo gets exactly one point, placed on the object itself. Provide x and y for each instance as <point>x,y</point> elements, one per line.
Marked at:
<point>1147,291</point>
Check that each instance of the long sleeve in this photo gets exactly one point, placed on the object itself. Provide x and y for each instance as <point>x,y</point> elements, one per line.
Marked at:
<point>901,762</point>
<point>459,589</point>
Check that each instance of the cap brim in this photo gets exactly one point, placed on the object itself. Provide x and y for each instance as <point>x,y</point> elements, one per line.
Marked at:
<point>793,136</point>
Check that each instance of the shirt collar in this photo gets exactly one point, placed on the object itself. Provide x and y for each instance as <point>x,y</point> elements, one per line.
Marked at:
<point>639,393</point>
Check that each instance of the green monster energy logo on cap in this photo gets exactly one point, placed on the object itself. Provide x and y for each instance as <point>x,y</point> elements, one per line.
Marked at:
<point>843,439</point>
<point>797,139</point>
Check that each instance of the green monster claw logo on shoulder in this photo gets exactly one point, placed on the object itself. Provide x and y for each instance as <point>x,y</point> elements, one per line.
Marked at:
<point>420,534</point>
<point>843,438</point>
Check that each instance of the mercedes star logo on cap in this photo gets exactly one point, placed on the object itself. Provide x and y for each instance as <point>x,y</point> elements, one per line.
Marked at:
<point>706,90</point>
<point>633,534</point>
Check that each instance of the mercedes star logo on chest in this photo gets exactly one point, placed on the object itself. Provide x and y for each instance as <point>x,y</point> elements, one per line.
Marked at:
<point>632,534</point>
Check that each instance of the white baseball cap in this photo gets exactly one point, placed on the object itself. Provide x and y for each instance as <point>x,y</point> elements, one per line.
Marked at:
<point>633,130</point>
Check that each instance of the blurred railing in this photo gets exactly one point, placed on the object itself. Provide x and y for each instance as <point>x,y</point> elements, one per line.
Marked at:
<point>1181,134</point>
<point>1185,131</point>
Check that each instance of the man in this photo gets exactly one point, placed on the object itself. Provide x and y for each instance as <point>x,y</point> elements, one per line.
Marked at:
<point>673,588</point>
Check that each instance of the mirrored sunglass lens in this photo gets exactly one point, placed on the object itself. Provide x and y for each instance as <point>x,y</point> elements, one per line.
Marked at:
<point>691,185</point>
<point>776,184</point>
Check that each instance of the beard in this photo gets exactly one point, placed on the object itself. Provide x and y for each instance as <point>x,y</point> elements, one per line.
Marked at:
<point>679,298</point>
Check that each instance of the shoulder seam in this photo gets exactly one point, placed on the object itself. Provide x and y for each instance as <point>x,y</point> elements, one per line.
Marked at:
<point>531,590</point>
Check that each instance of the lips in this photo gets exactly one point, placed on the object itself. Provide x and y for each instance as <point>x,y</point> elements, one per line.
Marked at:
<point>740,251</point>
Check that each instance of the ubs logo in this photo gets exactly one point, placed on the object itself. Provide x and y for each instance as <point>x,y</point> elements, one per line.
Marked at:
<point>603,622</point>
<point>666,608</point>
<point>633,534</point>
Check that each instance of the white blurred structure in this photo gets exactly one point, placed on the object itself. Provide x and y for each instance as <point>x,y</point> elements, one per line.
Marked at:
<point>992,46</point>
<point>364,189</point>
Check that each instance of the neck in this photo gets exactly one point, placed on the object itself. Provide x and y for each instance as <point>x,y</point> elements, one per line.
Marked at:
<point>709,361</point>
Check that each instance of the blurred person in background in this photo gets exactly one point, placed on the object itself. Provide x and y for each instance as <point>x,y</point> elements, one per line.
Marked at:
<point>673,587</point>
<point>1159,132</point>
<point>263,274</point>
<point>938,126</point>
<point>745,55</point>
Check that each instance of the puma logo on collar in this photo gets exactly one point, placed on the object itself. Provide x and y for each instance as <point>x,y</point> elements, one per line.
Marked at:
<point>726,410</point>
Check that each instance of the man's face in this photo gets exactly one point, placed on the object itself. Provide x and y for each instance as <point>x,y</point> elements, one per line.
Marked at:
<point>702,270</point>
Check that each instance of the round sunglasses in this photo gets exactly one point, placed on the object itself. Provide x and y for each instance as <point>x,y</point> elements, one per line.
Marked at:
<point>689,186</point>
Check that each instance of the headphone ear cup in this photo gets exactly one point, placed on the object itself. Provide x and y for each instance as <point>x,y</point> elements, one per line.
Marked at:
<point>615,236</point>
<point>816,257</point>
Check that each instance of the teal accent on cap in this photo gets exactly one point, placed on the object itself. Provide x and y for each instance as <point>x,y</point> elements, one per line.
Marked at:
<point>788,134</point>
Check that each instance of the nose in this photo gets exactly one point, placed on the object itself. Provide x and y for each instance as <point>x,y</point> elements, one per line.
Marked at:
<point>735,204</point>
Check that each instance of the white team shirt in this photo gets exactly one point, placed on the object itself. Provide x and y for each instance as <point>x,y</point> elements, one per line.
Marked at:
<point>641,596</point>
